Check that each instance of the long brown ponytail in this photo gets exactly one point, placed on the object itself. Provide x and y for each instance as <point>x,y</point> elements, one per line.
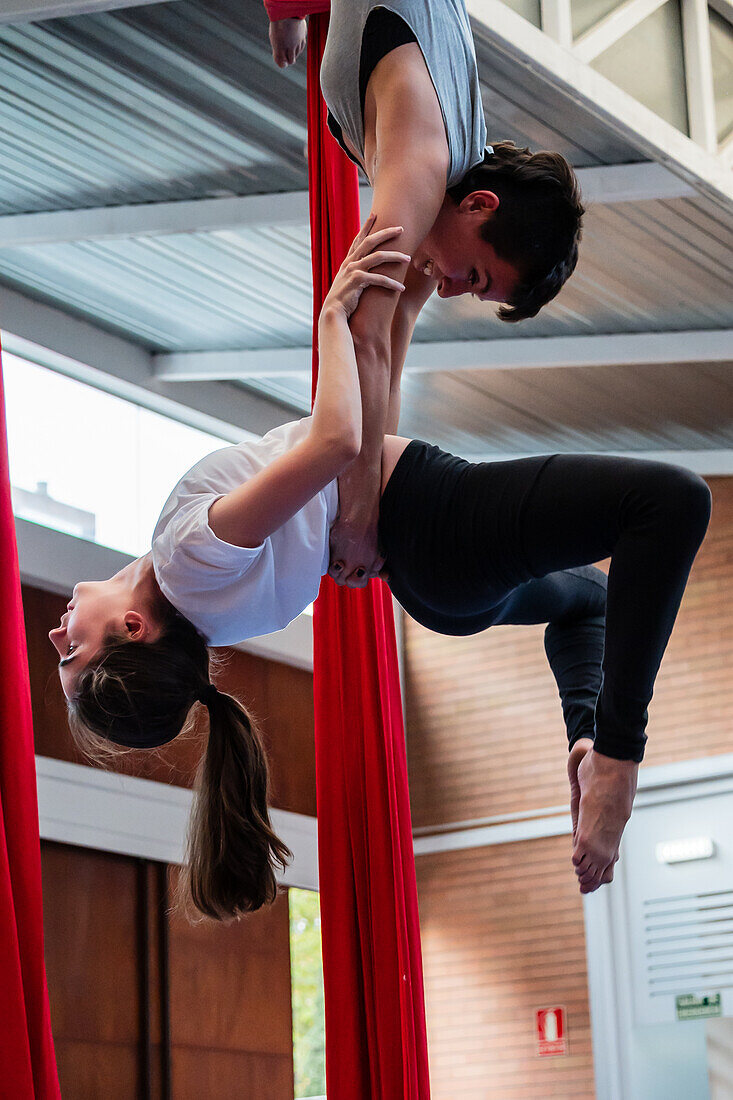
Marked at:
<point>232,850</point>
<point>140,695</point>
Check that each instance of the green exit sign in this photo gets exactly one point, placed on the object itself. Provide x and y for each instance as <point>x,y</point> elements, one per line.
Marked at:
<point>690,1007</point>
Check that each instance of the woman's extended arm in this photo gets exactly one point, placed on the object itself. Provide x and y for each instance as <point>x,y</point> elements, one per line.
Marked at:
<point>252,511</point>
<point>407,153</point>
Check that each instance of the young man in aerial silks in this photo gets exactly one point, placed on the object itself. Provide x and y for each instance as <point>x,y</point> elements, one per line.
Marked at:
<point>401,84</point>
<point>242,543</point>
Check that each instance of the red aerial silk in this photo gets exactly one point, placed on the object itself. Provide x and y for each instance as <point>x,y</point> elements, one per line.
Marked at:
<point>375,1015</point>
<point>27,1063</point>
<point>295,9</point>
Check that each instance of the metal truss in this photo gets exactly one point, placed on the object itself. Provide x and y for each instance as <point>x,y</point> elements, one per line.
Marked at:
<point>699,90</point>
<point>562,70</point>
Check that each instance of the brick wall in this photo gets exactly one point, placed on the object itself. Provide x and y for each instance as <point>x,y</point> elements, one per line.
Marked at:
<point>503,930</point>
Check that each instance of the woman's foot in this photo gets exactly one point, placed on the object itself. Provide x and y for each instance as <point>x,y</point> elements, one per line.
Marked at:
<point>578,751</point>
<point>602,793</point>
<point>287,38</point>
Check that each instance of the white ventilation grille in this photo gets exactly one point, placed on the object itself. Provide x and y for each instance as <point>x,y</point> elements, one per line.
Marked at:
<point>676,918</point>
<point>688,943</point>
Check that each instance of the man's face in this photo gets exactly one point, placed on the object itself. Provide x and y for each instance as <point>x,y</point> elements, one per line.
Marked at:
<point>454,254</point>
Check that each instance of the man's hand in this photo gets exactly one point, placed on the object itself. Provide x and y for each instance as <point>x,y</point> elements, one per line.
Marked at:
<point>287,38</point>
<point>355,556</point>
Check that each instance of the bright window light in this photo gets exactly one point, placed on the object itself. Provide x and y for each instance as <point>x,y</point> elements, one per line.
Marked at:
<point>86,462</point>
<point>306,969</point>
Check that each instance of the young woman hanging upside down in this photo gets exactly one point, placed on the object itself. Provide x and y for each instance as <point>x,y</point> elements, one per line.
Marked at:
<point>401,84</point>
<point>242,543</point>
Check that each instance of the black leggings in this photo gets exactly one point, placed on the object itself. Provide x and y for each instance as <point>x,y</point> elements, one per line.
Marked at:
<point>474,545</point>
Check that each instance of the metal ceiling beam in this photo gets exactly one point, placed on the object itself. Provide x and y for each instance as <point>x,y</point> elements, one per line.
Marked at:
<point>607,184</point>
<point>699,82</point>
<point>557,67</point>
<point>81,350</point>
<point>615,25</point>
<point>202,366</point>
<point>712,463</point>
<point>34,11</point>
<point>156,219</point>
<point>726,151</point>
<point>643,182</point>
<point>724,8</point>
<point>557,20</point>
<point>522,353</point>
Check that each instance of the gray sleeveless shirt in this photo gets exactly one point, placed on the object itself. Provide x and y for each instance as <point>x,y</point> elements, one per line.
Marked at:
<point>443,33</point>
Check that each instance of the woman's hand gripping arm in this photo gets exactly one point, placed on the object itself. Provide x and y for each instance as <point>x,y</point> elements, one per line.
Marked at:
<point>252,511</point>
<point>337,410</point>
<point>354,552</point>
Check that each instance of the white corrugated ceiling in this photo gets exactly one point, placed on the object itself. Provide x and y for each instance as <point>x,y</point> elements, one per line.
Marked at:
<point>181,101</point>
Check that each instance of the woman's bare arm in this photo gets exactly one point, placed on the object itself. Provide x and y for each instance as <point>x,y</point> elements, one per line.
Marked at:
<point>407,153</point>
<point>247,515</point>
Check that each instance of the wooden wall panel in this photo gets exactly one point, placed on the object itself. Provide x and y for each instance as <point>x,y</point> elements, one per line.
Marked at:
<point>281,697</point>
<point>42,611</point>
<point>231,1019</point>
<point>200,1074</point>
<point>96,1071</point>
<point>90,916</point>
<point>485,730</point>
<point>229,987</point>
<point>502,933</point>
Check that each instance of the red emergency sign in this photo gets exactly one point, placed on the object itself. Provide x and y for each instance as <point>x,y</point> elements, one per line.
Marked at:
<point>551,1031</point>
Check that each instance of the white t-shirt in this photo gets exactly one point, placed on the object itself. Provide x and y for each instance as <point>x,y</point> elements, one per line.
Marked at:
<point>232,592</point>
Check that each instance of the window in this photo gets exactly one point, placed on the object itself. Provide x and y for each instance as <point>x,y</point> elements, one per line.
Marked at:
<point>91,464</point>
<point>306,968</point>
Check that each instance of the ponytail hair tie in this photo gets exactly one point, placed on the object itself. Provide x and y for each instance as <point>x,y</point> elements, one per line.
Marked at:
<point>207,694</point>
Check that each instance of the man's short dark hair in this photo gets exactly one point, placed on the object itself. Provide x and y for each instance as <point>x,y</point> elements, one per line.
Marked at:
<point>537,225</point>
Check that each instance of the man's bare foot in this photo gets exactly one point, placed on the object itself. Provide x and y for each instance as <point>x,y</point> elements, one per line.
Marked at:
<point>287,38</point>
<point>606,794</point>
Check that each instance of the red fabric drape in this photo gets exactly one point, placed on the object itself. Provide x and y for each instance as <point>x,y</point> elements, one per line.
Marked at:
<point>375,1018</point>
<point>27,1064</point>
<point>295,9</point>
